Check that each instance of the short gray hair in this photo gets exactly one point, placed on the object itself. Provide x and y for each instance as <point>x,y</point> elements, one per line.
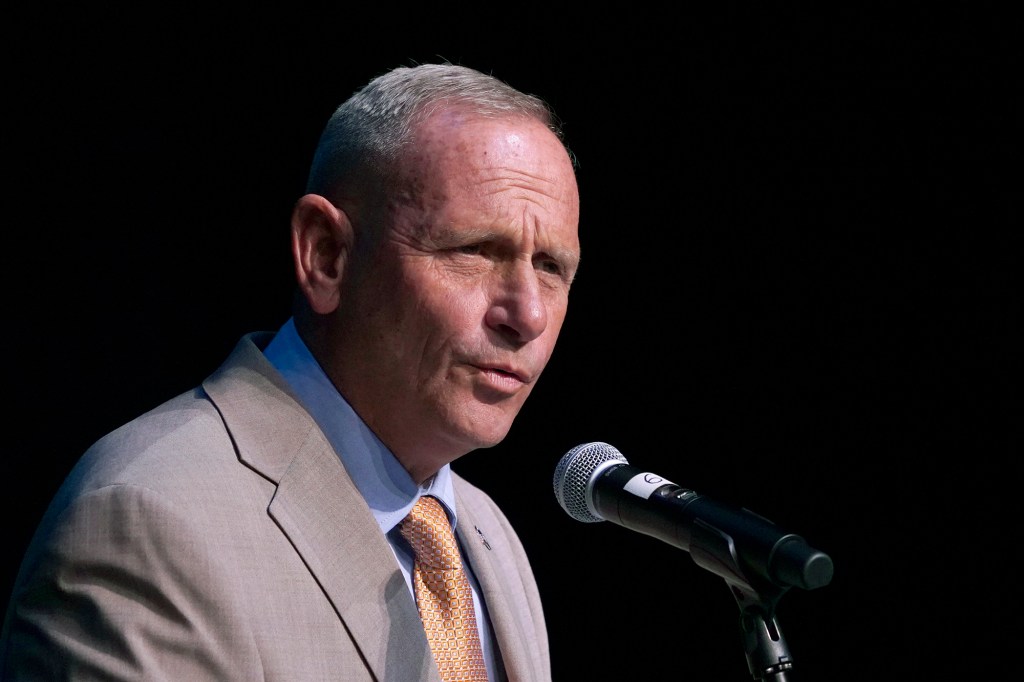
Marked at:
<point>367,132</point>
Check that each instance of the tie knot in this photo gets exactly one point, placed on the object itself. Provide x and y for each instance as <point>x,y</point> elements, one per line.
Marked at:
<point>427,530</point>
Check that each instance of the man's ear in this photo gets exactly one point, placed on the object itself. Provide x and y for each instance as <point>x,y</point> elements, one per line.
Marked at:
<point>322,239</point>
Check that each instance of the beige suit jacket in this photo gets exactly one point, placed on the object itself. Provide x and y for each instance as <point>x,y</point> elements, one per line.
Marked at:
<point>218,537</point>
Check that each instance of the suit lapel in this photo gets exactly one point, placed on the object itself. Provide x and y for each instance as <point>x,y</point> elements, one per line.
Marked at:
<point>490,559</point>
<point>319,509</point>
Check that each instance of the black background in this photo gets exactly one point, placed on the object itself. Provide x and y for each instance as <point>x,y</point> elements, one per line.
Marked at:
<point>796,295</point>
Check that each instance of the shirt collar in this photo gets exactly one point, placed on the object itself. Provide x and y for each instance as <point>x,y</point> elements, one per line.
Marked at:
<point>383,482</point>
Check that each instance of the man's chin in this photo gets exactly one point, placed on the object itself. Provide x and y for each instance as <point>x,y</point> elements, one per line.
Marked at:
<point>486,431</point>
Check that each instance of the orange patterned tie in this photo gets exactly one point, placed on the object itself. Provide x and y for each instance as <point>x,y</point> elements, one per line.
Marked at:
<point>443,594</point>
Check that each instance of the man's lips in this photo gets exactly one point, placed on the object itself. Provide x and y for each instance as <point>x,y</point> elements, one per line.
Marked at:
<point>505,372</point>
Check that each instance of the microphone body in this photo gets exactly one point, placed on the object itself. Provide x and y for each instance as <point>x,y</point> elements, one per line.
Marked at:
<point>594,482</point>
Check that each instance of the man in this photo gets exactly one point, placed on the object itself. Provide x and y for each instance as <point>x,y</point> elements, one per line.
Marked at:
<point>251,528</point>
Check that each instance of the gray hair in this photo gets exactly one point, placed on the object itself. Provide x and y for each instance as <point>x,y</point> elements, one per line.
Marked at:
<point>365,135</point>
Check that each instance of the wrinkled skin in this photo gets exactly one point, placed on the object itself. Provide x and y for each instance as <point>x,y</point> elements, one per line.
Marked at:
<point>436,308</point>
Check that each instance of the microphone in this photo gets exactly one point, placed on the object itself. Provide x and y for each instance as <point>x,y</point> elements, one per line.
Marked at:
<point>594,482</point>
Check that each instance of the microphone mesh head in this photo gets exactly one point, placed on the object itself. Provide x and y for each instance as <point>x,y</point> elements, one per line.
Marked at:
<point>575,472</point>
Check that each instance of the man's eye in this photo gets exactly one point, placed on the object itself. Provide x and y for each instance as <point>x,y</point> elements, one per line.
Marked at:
<point>551,267</point>
<point>470,249</point>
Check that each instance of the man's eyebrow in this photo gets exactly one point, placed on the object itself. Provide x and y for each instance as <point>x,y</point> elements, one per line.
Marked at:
<point>472,234</point>
<point>569,258</point>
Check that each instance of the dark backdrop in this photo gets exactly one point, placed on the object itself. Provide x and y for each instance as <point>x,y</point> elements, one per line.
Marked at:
<point>796,292</point>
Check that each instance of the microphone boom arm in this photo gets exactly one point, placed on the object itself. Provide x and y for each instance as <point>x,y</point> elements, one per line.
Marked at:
<point>777,561</point>
<point>766,650</point>
<point>758,561</point>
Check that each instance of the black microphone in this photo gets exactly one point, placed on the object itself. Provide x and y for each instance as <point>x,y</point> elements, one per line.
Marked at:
<point>594,482</point>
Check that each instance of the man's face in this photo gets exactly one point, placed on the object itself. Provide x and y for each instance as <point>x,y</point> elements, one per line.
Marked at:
<point>454,316</point>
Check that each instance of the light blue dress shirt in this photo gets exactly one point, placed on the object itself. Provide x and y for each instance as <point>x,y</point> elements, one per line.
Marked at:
<point>383,482</point>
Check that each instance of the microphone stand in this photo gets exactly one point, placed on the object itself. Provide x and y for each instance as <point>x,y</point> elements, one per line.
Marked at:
<point>767,653</point>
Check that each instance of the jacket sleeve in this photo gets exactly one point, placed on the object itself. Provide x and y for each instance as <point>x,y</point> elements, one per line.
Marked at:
<point>121,585</point>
